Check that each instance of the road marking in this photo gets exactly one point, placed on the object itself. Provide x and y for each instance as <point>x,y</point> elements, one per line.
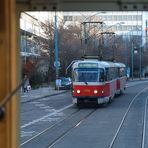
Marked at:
<point>46,107</point>
<point>39,105</point>
<point>26,134</point>
<point>46,116</point>
<point>50,119</point>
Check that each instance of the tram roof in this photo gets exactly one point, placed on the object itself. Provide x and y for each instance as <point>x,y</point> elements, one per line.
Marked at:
<point>120,65</point>
<point>108,64</point>
<point>101,64</point>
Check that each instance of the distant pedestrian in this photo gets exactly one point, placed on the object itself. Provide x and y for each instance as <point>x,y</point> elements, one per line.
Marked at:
<point>25,83</point>
<point>58,83</point>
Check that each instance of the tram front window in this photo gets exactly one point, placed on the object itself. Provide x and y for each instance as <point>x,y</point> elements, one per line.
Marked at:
<point>87,75</point>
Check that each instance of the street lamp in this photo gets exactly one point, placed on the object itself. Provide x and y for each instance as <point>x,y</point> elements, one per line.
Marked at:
<point>140,62</point>
<point>132,61</point>
<point>88,20</point>
<point>102,31</point>
<point>133,51</point>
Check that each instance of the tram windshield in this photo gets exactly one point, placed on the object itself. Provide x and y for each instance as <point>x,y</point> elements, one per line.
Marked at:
<point>88,75</point>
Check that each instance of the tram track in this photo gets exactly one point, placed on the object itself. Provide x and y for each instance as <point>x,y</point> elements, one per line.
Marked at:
<point>61,122</point>
<point>76,125</point>
<point>144,124</point>
<point>113,141</point>
<point>45,130</point>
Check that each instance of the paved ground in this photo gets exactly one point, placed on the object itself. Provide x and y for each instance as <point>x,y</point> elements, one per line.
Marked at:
<point>74,128</point>
<point>39,93</point>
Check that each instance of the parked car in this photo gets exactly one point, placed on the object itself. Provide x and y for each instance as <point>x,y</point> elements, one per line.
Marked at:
<point>65,83</point>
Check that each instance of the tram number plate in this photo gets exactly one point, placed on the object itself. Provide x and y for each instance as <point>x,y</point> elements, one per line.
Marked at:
<point>86,90</point>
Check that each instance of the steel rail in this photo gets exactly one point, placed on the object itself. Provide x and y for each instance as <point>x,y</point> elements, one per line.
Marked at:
<point>78,123</point>
<point>144,124</point>
<point>124,117</point>
<point>50,127</point>
<point>66,132</point>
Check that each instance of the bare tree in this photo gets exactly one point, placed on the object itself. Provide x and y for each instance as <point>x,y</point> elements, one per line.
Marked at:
<point>69,45</point>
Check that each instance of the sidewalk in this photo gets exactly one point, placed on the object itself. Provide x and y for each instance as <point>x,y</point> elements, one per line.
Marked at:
<point>39,93</point>
<point>136,79</point>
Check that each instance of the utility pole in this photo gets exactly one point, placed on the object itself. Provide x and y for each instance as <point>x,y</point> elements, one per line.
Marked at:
<point>132,62</point>
<point>112,34</point>
<point>25,38</point>
<point>140,62</point>
<point>102,44</point>
<point>85,39</point>
<point>56,47</point>
<point>86,34</point>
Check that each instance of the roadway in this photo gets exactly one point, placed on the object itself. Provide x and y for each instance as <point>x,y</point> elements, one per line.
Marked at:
<point>53,122</point>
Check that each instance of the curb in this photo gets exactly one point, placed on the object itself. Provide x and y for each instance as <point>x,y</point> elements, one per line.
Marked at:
<point>38,98</point>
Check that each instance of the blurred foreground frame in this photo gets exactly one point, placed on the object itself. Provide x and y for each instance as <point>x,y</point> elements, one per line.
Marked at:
<point>9,48</point>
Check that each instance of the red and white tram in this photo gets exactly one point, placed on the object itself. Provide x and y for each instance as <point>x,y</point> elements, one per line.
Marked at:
<point>97,81</point>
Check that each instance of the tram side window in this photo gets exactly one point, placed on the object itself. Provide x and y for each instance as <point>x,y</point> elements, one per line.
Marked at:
<point>112,73</point>
<point>102,75</point>
<point>118,72</point>
<point>107,74</point>
<point>75,75</point>
<point>122,72</point>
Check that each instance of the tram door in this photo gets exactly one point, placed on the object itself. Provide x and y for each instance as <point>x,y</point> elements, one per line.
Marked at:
<point>8,73</point>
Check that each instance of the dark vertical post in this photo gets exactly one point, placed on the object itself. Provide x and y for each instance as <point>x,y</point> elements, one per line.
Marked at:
<point>140,62</point>
<point>132,62</point>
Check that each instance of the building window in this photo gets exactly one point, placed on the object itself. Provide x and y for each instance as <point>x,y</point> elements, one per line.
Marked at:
<point>129,27</point>
<point>124,17</point>
<point>119,17</point>
<point>67,18</point>
<point>139,17</point>
<point>109,18</point>
<point>129,17</point>
<point>104,18</point>
<point>75,18</point>
<point>134,28</point>
<point>124,28</point>
<point>114,18</point>
<point>135,18</point>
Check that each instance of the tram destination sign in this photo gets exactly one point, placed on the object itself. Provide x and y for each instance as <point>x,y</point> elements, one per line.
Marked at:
<point>88,65</point>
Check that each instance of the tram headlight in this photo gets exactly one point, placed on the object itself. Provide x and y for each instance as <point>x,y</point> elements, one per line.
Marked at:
<point>95,91</point>
<point>78,91</point>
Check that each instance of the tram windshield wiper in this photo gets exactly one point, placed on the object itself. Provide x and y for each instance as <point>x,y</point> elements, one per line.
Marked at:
<point>86,83</point>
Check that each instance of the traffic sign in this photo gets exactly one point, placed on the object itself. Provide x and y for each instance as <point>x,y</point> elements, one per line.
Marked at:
<point>58,64</point>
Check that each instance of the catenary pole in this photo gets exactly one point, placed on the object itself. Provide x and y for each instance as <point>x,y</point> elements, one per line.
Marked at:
<point>56,47</point>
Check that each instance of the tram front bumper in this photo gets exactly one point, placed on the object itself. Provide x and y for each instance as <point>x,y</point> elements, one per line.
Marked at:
<point>86,99</point>
<point>103,100</point>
